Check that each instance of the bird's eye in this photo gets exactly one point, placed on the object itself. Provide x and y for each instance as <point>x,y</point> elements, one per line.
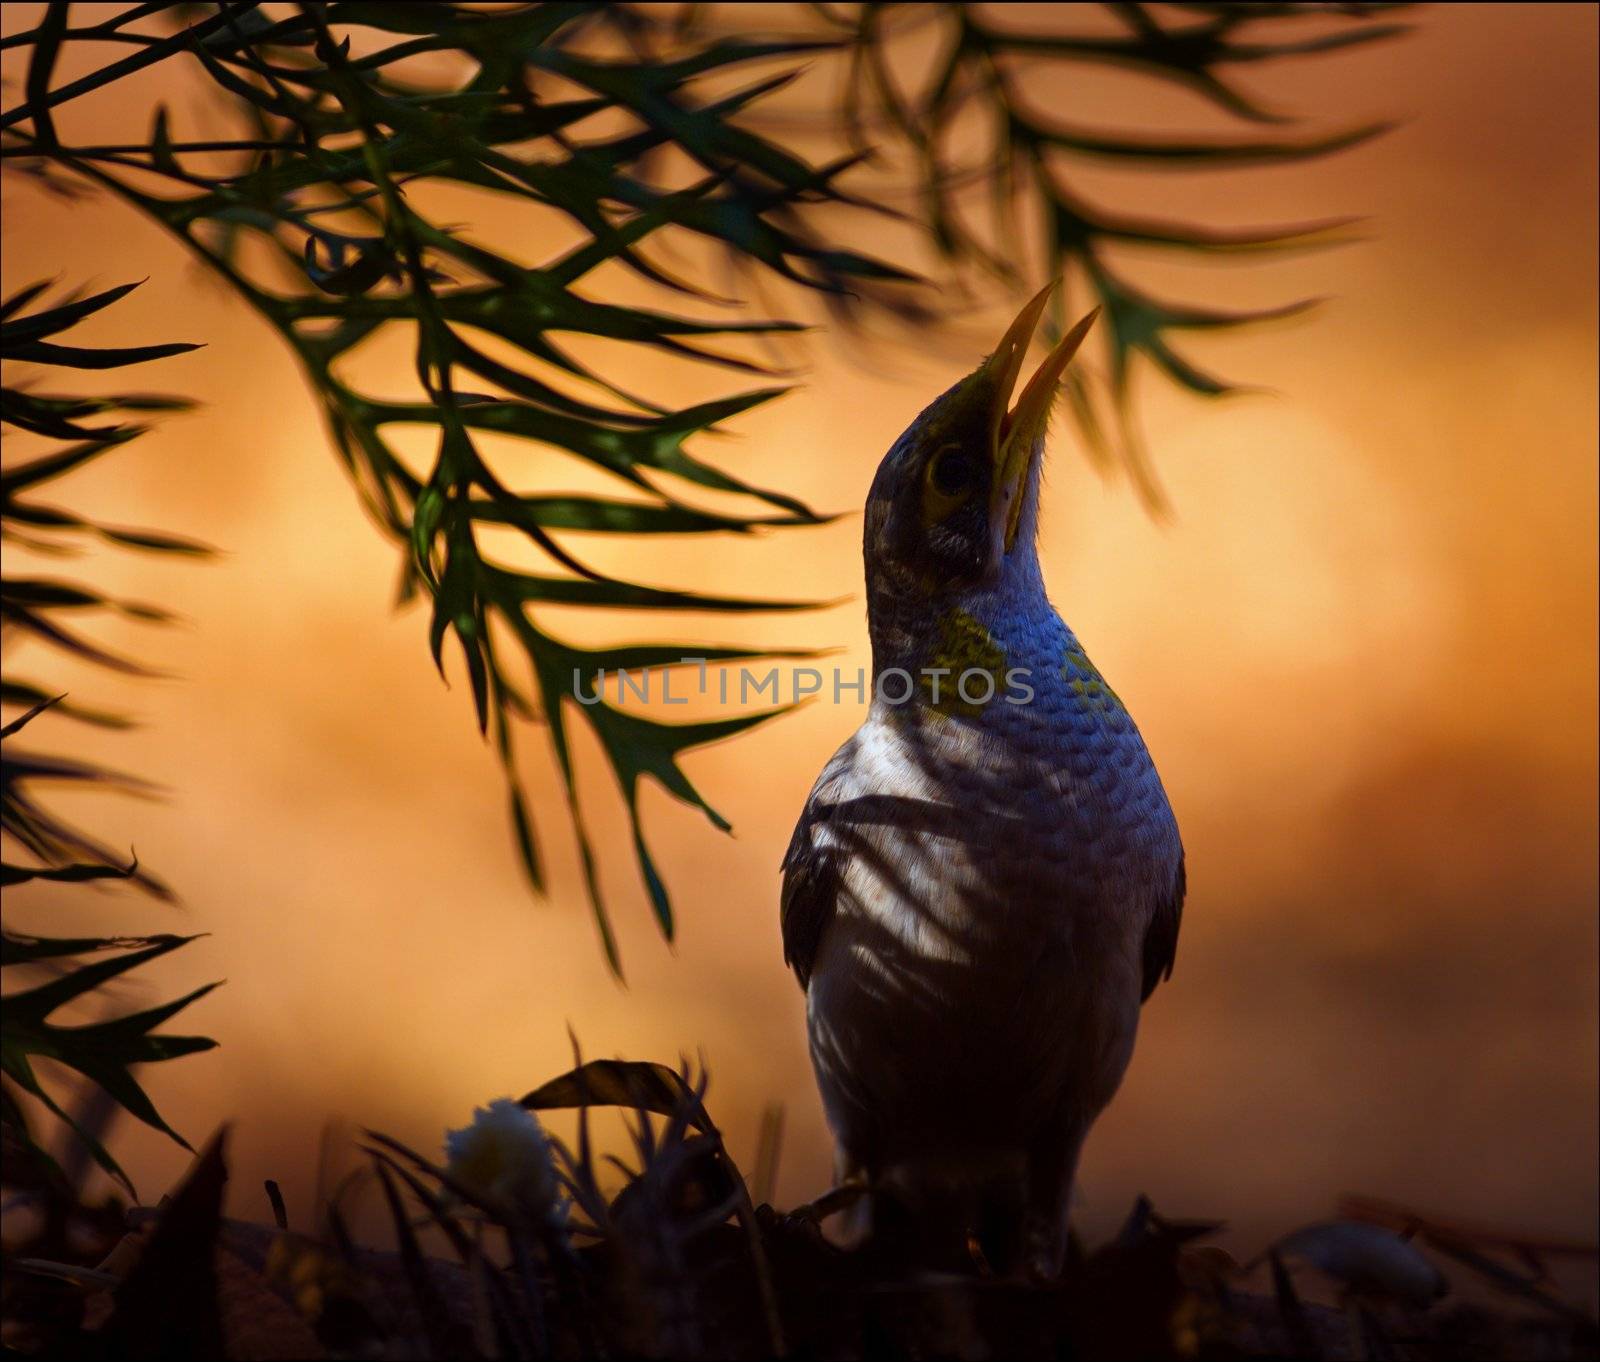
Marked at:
<point>953,472</point>
<point>949,479</point>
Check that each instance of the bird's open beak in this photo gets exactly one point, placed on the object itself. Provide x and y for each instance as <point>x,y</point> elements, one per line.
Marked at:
<point>1014,434</point>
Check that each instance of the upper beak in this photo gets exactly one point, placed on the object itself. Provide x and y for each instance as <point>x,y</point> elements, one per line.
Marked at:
<point>1014,434</point>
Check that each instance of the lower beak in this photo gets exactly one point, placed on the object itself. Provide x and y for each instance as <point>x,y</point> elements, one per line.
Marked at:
<point>1016,435</point>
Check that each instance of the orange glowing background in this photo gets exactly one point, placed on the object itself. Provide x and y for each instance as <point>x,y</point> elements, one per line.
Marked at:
<point>1363,653</point>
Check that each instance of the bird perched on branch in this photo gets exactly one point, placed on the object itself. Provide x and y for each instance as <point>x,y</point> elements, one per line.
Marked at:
<point>986,882</point>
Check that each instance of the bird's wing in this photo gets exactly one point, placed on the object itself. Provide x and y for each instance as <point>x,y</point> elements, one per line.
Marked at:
<point>1161,936</point>
<point>812,872</point>
<point>814,866</point>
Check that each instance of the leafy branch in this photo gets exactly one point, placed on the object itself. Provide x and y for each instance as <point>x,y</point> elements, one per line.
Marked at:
<point>1032,158</point>
<point>313,204</point>
<point>334,134</point>
<point>33,607</point>
<point>103,1052</point>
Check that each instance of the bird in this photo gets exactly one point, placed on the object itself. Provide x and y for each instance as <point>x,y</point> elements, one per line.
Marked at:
<point>987,879</point>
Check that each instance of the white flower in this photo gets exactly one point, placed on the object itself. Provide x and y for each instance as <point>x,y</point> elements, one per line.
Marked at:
<point>503,1157</point>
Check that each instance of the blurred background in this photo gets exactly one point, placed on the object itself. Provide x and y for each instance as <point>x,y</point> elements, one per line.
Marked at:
<point>1362,650</point>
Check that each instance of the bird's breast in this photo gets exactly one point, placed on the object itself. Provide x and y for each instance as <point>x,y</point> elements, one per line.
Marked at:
<point>997,877</point>
<point>1035,817</point>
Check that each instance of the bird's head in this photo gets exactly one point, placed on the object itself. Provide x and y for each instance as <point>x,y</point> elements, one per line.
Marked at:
<point>953,509</point>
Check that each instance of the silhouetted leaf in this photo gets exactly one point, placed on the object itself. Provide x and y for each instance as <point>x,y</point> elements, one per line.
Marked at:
<point>76,357</point>
<point>103,1052</point>
<point>445,1338</point>
<point>63,874</point>
<point>622,1083</point>
<point>26,693</point>
<point>167,1306</point>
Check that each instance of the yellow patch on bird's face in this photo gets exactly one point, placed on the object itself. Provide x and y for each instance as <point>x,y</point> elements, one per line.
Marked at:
<point>965,649</point>
<point>1085,681</point>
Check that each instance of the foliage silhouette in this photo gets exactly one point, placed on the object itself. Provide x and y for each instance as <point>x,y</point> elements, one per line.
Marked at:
<point>549,1250</point>
<point>101,1051</point>
<point>314,207</point>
